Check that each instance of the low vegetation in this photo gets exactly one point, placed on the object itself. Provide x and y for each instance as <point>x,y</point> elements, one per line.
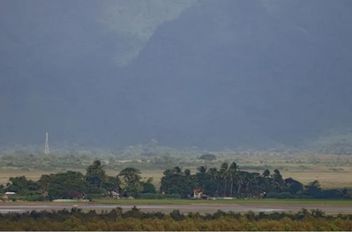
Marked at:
<point>136,220</point>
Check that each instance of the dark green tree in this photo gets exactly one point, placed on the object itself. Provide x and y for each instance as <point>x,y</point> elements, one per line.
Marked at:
<point>21,185</point>
<point>313,189</point>
<point>202,177</point>
<point>64,185</point>
<point>131,181</point>
<point>266,173</point>
<point>176,182</point>
<point>148,186</point>
<point>95,177</point>
<point>112,184</point>
<point>213,185</point>
<point>293,186</point>
<point>223,177</point>
<point>232,173</point>
<point>278,181</point>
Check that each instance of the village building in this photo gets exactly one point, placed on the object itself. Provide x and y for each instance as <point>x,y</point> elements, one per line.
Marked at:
<point>8,195</point>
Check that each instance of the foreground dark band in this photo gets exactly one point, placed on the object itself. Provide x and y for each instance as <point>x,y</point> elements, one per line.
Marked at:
<point>134,219</point>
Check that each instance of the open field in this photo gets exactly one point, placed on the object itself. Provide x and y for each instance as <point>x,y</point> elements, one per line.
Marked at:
<point>202,206</point>
<point>6,173</point>
<point>327,179</point>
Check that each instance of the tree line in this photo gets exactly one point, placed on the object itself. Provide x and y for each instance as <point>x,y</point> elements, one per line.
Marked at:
<point>227,181</point>
<point>75,185</point>
<point>136,220</point>
<point>230,181</point>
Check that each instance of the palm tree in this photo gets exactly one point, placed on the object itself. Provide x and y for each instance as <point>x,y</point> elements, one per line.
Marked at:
<point>232,171</point>
<point>201,177</point>
<point>241,180</point>
<point>267,181</point>
<point>278,180</point>
<point>266,173</point>
<point>213,185</point>
<point>223,174</point>
<point>177,170</point>
<point>202,169</point>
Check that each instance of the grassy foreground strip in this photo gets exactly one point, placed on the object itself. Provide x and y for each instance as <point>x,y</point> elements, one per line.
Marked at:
<point>223,201</point>
<point>136,220</point>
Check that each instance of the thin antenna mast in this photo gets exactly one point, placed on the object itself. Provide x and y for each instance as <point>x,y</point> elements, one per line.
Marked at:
<point>46,148</point>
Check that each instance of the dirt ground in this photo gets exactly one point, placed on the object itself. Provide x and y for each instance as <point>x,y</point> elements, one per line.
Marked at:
<point>7,207</point>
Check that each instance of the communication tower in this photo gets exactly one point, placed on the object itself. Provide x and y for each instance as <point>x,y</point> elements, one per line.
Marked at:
<point>46,148</point>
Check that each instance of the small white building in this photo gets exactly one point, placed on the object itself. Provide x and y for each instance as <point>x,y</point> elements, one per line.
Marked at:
<point>115,195</point>
<point>197,193</point>
<point>8,195</point>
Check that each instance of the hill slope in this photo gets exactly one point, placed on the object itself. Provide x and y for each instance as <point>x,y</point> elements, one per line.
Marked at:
<point>221,74</point>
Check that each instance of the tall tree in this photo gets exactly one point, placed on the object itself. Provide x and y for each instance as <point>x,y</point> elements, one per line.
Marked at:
<point>64,185</point>
<point>95,177</point>
<point>21,185</point>
<point>131,181</point>
<point>232,172</point>
<point>278,180</point>
<point>313,189</point>
<point>223,175</point>
<point>213,185</point>
<point>201,177</point>
<point>266,173</point>
<point>177,182</point>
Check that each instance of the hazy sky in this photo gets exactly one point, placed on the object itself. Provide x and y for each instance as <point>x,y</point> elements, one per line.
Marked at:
<point>208,73</point>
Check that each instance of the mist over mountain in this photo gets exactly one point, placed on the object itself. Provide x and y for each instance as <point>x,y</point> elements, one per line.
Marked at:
<point>209,73</point>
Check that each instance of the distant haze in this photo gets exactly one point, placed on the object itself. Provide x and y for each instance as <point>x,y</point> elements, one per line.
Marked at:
<point>207,73</point>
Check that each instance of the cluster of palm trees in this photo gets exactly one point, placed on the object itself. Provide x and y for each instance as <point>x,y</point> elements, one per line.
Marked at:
<point>227,181</point>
